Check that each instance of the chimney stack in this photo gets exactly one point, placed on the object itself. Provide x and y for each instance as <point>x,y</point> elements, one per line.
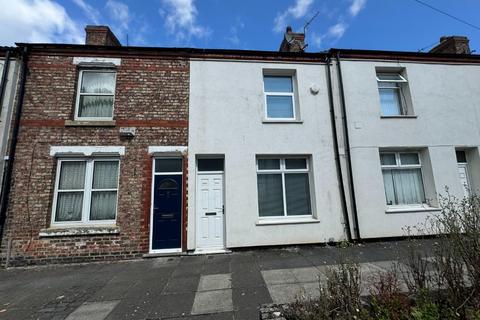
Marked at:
<point>100,36</point>
<point>452,44</point>
<point>292,41</point>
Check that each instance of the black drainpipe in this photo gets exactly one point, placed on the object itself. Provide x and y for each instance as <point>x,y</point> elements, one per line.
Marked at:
<point>337,154</point>
<point>3,81</point>
<point>13,145</point>
<point>356,228</point>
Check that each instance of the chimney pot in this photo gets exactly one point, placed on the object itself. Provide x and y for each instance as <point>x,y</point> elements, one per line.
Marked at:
<point>292,41</point>
<point>453,45</point>
<point>100,36</point>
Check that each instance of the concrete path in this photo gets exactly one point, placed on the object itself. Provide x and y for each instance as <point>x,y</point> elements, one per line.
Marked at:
<point>229,286</point>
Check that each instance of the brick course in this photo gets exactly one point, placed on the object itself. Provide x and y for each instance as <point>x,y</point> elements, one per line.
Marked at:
<point>151,94</point>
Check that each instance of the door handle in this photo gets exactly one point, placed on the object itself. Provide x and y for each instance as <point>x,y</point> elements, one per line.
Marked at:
<point>210,213</point>
<point>223,209</point>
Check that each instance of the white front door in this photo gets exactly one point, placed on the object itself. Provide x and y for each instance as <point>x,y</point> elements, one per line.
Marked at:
<point>463,175</point>
<point>210,212</point>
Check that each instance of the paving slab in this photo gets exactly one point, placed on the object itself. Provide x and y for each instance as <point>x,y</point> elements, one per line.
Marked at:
<point>308,274</point>
<point>250,298</point>
<point>215,282</point>
<point>281,276</point>
<point>214,301</point>
<point>170,305</point>
<point>182,284</point>
<point>93,310</point>
<point>283,293</point>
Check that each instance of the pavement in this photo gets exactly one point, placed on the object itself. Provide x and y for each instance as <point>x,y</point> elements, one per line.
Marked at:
<point>221,286</point>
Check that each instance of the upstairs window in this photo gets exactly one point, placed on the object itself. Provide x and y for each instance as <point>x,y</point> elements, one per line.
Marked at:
<point>95,95</point>
<point>279,97</point>
<point>391,87</point>
<point>402,178</point>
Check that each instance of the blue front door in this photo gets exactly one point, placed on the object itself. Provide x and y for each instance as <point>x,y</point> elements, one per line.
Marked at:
<point>167,212</point>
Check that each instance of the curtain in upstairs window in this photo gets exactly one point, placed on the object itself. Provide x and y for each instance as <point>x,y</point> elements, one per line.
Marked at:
<point>96,94</point>
<point>96,106</point>
<point>98,82</point>
<point>390,99</point>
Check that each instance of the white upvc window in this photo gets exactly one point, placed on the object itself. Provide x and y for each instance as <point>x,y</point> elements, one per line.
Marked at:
<point>402,178</point>
<point>86,192</point>
<point>392,99</point>
<point>279,97</point>
<point>283,187</point>
<point>95,95</point>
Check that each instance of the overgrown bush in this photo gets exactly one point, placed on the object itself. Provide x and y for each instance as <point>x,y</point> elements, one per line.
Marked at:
<point>339,296</point>
<point>444,284</point>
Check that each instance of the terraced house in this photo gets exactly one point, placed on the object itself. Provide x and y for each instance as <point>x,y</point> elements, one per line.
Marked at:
<point>125,152</point>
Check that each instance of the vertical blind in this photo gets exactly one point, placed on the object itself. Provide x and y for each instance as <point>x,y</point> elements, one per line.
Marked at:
<point>270,195</point>
<point>282,189</point>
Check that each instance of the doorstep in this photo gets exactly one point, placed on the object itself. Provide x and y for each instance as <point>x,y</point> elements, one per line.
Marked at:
<point>169,254</point>
<point>210,251</point>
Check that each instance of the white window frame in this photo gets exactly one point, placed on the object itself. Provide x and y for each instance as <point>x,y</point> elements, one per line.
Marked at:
<point>399,166</point>
<point>284,94</point>
<point>87,193</point>
<point>283,170</point>
<point>397,85</point>
<point>79,94</point>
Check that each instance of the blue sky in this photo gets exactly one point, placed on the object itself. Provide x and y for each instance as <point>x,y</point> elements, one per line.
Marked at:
<point>403,25</point>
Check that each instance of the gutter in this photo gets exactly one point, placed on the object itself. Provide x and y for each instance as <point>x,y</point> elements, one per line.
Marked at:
<point>3,81</point>
<point>356,227</point>
<point>13,144</point>
<point>337,154</point>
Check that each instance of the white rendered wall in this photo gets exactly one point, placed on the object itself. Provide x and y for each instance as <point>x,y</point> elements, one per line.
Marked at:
<point>226,113</point>
<point>446,101</point>
<point>7,108</point>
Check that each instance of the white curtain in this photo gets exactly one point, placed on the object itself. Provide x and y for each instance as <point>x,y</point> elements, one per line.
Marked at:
<point>270,195</point>
<point>389,99</point>
<point>105,175</point>
<point>72,175</point>
<point>298,194</point>
<point>98,82</point>
<point>103,203</point>
<point>403,186</point>
<point>96,106</point>
<point>69,206</point>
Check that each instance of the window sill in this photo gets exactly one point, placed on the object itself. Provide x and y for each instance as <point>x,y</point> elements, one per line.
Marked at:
<point>411,116</point>
<point>282,121</point>
<point>407,209</point>
<point>279,221</point>
<point>78,231</point>
<point>82,123</point>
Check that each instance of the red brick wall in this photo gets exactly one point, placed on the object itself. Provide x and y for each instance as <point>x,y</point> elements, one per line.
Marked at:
<point>151,94</point>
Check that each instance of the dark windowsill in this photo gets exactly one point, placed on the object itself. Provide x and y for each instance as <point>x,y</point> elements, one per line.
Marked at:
<point>78,231</point>
<point>406,116</point>
<point>81,123</point>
